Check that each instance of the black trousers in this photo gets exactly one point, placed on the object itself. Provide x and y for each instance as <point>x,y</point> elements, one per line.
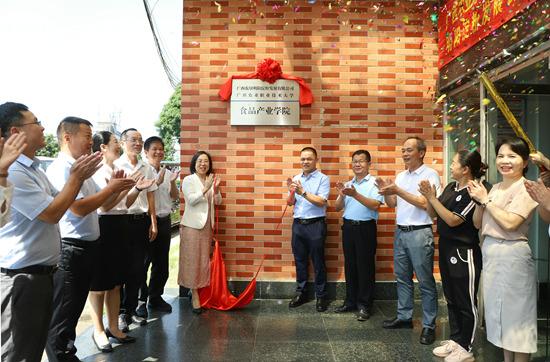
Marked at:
<point>359,243</point>
<point>309,240</point>
<point>460,268</point>
<point>26,315</point>
<point>71,284</point>
<point>157,254</point>
<point>138,238</point>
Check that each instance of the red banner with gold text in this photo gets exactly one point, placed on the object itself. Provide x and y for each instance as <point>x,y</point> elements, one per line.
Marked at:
<point>462,23</point>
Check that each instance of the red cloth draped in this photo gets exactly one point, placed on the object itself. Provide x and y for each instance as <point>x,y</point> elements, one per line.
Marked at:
<point>306,97</point>
<point>217,295</point>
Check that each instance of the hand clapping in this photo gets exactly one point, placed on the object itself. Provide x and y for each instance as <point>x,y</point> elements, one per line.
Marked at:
<point>427,190</point>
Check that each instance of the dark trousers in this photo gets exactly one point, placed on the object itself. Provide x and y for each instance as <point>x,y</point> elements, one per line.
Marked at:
<point>460,268</point>
<point>26,315</point>
<point>359,243</point>
<point>157,254</point>
<point>309,240</point>
<point>138,238</point>
<point>71,284</point>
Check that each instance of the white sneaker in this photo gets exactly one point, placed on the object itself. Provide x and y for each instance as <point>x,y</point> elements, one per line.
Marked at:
<point>445,348</point>
<point>460,355</point>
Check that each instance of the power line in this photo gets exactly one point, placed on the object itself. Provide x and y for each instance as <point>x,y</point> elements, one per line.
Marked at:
<point>172,78</point>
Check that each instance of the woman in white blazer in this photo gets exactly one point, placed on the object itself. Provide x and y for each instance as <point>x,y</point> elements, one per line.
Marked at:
<point>201,192</point>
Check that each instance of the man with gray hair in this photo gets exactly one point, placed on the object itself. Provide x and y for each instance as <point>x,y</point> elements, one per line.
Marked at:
<point>413,248</point>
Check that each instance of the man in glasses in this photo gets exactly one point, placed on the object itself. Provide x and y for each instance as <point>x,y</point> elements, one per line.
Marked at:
<point>142,218</point>
<point>360,200</point>
<point>30,247</point>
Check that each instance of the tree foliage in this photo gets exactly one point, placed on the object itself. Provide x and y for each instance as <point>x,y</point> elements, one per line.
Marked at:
<point>168,124</point>
<point>52,147</point>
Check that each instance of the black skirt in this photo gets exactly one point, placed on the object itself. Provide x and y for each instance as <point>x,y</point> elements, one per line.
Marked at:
<point>113,246</point>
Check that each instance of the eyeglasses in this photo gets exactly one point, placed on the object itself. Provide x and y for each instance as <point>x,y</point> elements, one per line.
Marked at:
<point>26,124</point>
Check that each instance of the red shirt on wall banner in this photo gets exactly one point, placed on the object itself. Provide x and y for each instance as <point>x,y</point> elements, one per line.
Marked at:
<point>462,23</point>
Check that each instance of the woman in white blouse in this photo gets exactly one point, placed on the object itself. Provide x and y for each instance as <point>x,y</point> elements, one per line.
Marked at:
<point>201,192</point>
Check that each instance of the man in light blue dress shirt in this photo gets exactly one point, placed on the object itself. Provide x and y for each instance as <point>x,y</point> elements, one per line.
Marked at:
<point>79,229</point>
<point>309,192</point>
<point>360,200</point>
<point>30,245</point>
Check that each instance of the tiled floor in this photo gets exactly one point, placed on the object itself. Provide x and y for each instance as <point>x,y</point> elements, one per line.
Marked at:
<point>268,331</point>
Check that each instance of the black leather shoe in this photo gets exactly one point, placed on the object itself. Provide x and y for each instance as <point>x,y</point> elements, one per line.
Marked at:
<point>344,309</point>
<point>297,301</point>
<point>127,339</point>
<point>139,320</point>
<point>160,305</point>
<point>427,336</point>
<point>397,324</point>
<point>104,348</point>
<point>363,315</point>
<point>197,310</point>
<point>141,311</point>
<point>322,305</point>
<point>124,321</point>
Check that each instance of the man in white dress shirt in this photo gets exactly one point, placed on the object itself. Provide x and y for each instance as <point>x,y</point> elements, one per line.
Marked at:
<point>413,248</point>
<point>142,226</point>
<point>158,250</point>
<point>79,229</point>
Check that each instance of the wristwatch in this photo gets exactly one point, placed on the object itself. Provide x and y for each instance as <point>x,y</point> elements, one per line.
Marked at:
<point>304,194</point>
<point>484,204</point>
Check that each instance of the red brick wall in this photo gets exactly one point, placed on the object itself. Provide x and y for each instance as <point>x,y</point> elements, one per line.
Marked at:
<point>372,70</point>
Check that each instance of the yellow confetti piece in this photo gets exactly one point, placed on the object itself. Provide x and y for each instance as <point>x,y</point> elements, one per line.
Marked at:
<point>447,128</point>
<point>441,97</point>
<point>219,6</point>
<point>330,6</point>
<point>486,101</point>
<point>233,20</point>
<point>406,19</point>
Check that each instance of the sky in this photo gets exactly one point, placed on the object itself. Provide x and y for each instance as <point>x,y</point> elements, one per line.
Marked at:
<point>94,59</point>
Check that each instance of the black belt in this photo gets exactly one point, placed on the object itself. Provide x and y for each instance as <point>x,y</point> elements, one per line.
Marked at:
<point>409,228</point>
<point>159,218</point>
<point>79,242</point>
<point>358,222</point>
<point>33,269</point>
<point>138,216</point>
<point>309,221</point>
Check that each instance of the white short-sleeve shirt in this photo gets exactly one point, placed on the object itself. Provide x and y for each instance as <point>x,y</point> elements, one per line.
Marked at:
<point>141,205</point>
<point>408,214</point>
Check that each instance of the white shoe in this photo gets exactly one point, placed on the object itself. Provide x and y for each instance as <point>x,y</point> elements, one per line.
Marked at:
<point>445,348</point>
<point>460,355</point>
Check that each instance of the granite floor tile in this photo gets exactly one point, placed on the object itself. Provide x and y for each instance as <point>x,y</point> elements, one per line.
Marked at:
<point>267,330</point>
<point>298,328</point>
<point>293,351</point>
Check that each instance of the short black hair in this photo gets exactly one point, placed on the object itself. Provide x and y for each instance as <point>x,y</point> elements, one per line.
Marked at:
<point>310,149</point>
<point>10,115</point>
<point>518,145</point>
<point>196,156</point>
<point>101,138</point>
<point>123,134</point>
<point>70,125</point>
<point>150,140</point>
<point>362,152</point>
